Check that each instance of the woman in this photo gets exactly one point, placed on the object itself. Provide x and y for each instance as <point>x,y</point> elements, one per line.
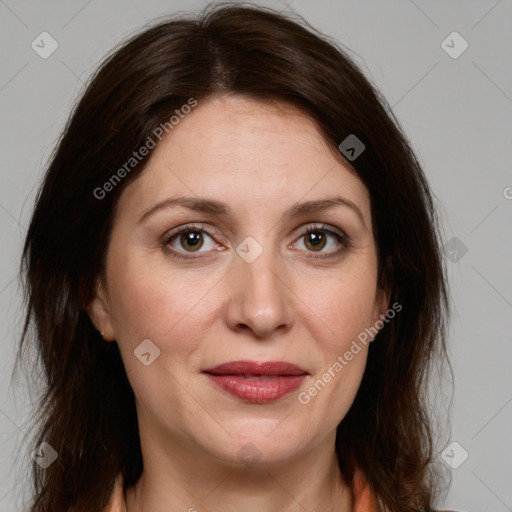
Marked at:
<point>234,273</point>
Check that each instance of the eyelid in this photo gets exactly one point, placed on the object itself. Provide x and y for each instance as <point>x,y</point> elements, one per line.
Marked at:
<point>327,228</point>
<point>189,227</point>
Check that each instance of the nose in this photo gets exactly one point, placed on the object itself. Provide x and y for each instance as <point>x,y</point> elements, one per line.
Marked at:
<point>260,299</point>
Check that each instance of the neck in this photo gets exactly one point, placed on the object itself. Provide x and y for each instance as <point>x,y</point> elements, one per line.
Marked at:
<point>177,479</point>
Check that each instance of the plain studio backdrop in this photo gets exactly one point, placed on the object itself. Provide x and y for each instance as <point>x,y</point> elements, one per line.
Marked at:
<point>444,69</point>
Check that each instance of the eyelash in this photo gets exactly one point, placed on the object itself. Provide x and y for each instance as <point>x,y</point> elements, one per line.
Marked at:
<point>342,238</point>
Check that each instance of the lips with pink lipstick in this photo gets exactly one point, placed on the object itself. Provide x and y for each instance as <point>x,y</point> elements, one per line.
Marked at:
<point>256,382</point>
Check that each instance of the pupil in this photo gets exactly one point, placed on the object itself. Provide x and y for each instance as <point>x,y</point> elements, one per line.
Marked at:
<point>315,239</point>
<point>192,239</point>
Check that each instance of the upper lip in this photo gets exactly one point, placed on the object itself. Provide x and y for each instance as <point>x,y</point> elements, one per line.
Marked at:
<point>256,368</point>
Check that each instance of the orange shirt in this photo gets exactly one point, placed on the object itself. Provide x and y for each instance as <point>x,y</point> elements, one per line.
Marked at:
<point>364,501</point>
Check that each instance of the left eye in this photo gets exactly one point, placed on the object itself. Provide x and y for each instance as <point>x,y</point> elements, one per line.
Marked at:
<point>191,239</point>
<point>317,239</point>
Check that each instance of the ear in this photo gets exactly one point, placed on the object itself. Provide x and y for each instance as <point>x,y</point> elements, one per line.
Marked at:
<point>384,287</point>
<point>99,314</point>
<point>382,299</point>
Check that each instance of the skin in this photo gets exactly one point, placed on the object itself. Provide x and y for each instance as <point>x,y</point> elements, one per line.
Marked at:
<point>289,305</point>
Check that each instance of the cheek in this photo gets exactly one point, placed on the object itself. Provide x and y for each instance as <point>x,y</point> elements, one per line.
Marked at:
<point>346,307</point>
<point>345,312</point>
<point>170,309</point>
<point>146,306</point>
<point>148,300</point>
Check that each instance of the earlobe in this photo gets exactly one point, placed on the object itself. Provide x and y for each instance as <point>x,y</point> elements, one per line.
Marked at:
<point>99,314</point>
<point>380,310</point>
<point>381,304</point>
<point>384,286</point>
<point>385,297</point>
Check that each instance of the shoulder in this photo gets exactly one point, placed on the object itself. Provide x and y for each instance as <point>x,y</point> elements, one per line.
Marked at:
<point>117,501</point>
<point>451,510</point>
<point>365,501</point>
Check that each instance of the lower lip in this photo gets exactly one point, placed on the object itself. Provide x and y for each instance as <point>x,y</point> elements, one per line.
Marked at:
<point>258,391</point>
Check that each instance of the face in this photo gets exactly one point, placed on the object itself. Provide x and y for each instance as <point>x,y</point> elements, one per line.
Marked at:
<point>247,282</point>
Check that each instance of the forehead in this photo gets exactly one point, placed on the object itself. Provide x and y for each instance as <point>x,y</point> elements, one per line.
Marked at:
<point>247,153</point>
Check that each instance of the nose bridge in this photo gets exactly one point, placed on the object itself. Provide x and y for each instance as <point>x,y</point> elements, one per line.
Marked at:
<point>259,297</point>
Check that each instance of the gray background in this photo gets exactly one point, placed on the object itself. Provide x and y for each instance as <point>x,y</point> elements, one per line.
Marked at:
<point>457,113</point>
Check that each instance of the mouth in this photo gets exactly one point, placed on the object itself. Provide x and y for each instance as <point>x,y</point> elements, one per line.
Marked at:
<point>255,382</point>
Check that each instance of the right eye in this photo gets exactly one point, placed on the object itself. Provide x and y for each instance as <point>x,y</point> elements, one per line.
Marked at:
<point>190,238</point>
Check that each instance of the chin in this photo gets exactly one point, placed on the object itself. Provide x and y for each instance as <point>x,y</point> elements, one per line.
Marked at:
<point>260,446</point>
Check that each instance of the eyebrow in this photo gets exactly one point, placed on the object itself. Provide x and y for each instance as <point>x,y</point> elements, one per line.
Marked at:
<point>220,209</point>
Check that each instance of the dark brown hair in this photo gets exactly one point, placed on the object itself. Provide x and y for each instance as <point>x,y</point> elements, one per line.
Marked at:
<point>87,412</point>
